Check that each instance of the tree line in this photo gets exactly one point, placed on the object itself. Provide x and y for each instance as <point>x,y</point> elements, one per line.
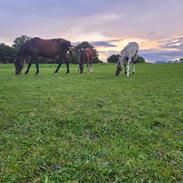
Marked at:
<point>114,59</point>
<point>8,54</point>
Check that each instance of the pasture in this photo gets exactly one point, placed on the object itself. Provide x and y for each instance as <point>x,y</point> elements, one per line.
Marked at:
<point>92,127</point>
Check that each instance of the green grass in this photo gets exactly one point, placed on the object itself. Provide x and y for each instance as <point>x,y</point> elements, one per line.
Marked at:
<point>92,127</point>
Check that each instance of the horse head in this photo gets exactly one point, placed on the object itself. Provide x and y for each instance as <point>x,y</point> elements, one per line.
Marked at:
<point>118,69</point>
<point>71,50</point>
<point>19,63</point>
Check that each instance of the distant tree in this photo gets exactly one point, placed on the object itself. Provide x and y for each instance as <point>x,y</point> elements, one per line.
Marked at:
<point>84,45</point>
<point>140,60</point>
<point>75,54</point>
<point>96,57</point>
<point>181,60</point>
<point>114,59</point>
<point>19,41</point>
<point>7,54</point>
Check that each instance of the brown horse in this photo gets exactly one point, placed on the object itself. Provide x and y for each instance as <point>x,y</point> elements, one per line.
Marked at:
<point>37,47</point>
<point>86,57</point>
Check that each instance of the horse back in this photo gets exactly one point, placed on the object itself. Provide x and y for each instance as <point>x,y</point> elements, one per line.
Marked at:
<point>89,53</point>
<point>46,47</point>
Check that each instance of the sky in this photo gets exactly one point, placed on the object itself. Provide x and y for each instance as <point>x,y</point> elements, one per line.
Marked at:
<point>108,24</point>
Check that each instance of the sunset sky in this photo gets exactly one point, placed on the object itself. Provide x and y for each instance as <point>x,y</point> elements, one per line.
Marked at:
<point>108,24</point>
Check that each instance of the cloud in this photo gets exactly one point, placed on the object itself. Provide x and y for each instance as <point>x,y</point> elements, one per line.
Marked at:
<point>175,43</point>
<point>169,49</point>
<point>157,55</point>
<point>163,50</point>
<point>103,44</point>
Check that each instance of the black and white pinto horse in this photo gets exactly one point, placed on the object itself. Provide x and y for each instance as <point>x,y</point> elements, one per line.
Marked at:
<point>127,56</point>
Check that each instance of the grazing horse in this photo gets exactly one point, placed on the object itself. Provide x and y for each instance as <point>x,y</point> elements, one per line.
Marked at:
<point>86,56</point>
<point>128,55</point>
<point>37,47</point>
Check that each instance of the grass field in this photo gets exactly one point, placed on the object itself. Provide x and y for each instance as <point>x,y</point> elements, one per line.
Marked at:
<point>92,127</point>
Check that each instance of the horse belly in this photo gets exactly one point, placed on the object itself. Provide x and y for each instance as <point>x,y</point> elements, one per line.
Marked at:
<point>48,49</point>
<point>49,53</point>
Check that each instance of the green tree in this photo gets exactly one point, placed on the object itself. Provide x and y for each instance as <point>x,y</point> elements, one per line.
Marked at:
<point>140,60</point>
<point>19,41</point>
<point>84,45</point>
<point>7,54</point>
<point>113,59</point>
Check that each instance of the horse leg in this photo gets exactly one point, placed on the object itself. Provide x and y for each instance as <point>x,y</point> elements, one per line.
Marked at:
<point>91,70</point>
<point>81,68</point>
<point>80,63</point>
<point>134,68</point>
<point>37,68</point>
<point>60,64</point>
<point>58,67</point>
<point>134,62</point>
<point>67,64</point>
<point>125,69</point>
<point>88,67</point>
<point>128,67</point>
<point>27,71</point>
<point>35,60</point>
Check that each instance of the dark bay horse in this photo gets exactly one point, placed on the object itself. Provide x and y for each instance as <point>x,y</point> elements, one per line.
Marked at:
<point>37,47</point>
<point>86,57</point>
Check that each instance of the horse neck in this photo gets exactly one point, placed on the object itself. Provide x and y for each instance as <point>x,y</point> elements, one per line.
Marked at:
<point>21,58</point>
